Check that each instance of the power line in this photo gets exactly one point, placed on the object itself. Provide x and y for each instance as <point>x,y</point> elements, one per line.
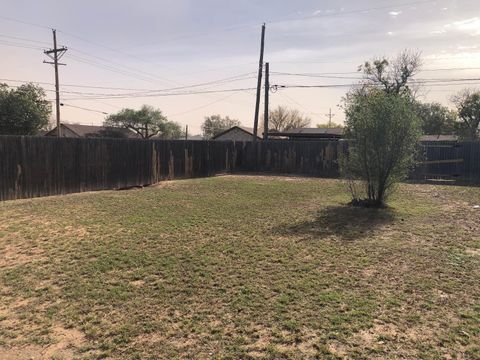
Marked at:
<point>328,76</point>
<point>24,39</point>
<point>203,106</point>
<point>141,91</point>
<point>254,24</point>
<point>316,75</point>
<point>25,22</point>
<point>128,68</point>
<point>239,77</point>
<point>24,46</point>
<point>166,94</point>
<point>86,109</point>
<point>452,69</point>
<point>351,12</point>
<point>450,82</point>
<point>94,63</point>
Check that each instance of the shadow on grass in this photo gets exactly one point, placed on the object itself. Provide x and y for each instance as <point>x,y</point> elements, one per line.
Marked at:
<point>344,222</point>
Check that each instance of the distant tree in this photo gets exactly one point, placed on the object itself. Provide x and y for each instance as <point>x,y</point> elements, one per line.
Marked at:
<point>329,125</point>
<point>215,124</point>
<point>147,122</point>
<point>436,119</point>
<point>23,111</point>
<point>392,76</point>
<point>283,119</point>
<point>468,107</point>
<point>172,131</point>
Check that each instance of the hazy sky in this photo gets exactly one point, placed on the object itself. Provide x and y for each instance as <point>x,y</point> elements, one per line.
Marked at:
<point>130,47</point>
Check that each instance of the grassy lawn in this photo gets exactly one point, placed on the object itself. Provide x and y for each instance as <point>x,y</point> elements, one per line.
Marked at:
<point>241,267</point>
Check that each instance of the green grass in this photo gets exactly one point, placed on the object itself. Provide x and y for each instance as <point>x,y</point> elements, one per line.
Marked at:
<point>241,267</point>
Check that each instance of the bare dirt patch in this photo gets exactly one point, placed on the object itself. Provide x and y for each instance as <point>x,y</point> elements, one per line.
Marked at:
<point>473,252</point>
<point>138,283</point>
<point>15,255</point>
<point>66,341</point>
<point>253,176</point>
<point>29,352</point>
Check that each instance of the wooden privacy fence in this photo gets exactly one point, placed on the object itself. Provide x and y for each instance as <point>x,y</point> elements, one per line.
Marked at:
<point>42,166</point>
<point>457,162</point>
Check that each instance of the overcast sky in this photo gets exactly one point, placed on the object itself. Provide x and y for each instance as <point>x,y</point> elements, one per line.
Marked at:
<point>162,44</point>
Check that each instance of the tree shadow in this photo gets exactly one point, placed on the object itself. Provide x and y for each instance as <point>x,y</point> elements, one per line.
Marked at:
<point>345,222</point>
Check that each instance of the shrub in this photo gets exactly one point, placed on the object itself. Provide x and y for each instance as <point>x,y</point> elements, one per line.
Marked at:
<point>384,131</point>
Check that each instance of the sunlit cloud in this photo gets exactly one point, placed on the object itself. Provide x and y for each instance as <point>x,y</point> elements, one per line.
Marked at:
<point>394,13</point>
<point>328,11</point>
<point>470,26</point>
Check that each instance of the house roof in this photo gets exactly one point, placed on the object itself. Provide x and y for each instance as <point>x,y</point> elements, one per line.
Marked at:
<point>439,138</point>
<point>248,130</point>
<point>309,132</point>
<point>96,131</point>
<point>195,137</point>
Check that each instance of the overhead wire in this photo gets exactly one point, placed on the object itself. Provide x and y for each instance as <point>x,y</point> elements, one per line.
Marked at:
<point>83,108</point>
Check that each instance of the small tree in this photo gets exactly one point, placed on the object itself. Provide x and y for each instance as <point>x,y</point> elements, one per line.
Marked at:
<point>147,122</point>
<point>283,119</point>
<point>23,111</point>
<point>384,129</point>
<point>436,119</point>
<point>468,106</point>
<point>215,124</point>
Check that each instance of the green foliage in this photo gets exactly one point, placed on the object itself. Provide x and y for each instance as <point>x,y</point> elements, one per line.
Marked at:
<point>23,111</point>
<point>329,125</point>
<point>384,129</point>
<point>436,119</point>
<point>172,131</point>
<point>216,124</point>
<point>148,122</point>
<point>468,106</point>
<point>392,75</point>
<point>283,119</point>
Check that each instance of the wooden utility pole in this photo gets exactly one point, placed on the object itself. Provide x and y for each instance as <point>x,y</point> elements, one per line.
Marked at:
<point>57,54</point>
<point>259,85</point>
<point>186,132</point>
<point>267,98</point>
<point>330,116</point>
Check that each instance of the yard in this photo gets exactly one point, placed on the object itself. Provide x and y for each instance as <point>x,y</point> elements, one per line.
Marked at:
<point>241,267</point>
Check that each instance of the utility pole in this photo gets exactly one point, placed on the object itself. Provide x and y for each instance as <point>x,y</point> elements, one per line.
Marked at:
<point>330,116</point>
<point>55,54</point>
<point>259,85</point>
<point>186,132</point>
<point>267,95</point>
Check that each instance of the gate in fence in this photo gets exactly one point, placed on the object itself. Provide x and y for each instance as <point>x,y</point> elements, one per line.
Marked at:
<point>448,161</point>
